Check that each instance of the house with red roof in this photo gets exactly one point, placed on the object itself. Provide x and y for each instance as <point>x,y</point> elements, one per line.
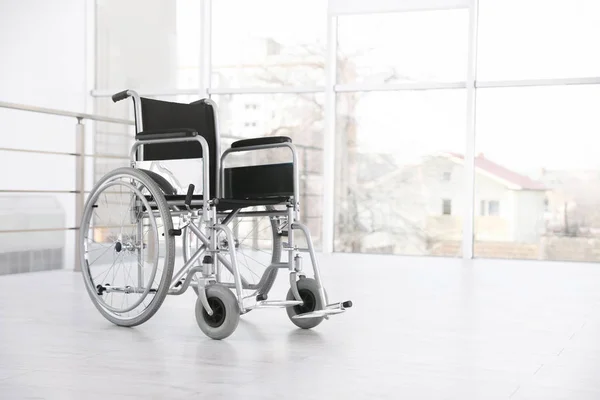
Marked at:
<point>509,206</point>
<point>424,205</point>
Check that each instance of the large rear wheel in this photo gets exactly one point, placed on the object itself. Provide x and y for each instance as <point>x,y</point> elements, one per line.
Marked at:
<point>126,250</point>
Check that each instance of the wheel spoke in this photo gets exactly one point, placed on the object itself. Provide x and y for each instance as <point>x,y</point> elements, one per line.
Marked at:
<point>253,231</point>
<point>100,256</point>
<point>108,270</point>
<point>248,264</point>
<point>254,254</point>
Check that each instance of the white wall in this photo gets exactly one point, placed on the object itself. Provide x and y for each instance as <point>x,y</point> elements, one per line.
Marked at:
<point>42,63</point>
<point>42,48</point>
<point>136,48</point>
<point>136,44</point>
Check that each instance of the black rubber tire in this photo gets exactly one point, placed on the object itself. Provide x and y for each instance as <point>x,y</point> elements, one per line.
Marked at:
<point>309,292</point>
<point>226,315</point>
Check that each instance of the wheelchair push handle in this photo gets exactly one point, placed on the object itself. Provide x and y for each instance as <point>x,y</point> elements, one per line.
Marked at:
<point>120,96</point>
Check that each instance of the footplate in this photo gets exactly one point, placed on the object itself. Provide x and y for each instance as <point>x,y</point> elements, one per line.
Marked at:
<point>276,303</point>
<point>331,309</point>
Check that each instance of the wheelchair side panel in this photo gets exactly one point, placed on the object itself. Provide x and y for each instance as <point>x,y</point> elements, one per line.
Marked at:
<point>259,181</point>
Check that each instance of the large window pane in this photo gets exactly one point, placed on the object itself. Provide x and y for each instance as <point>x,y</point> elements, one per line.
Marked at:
<point>538,39</point>
<point>399,173</point>
<point>403,47</point>
<point>538,173</point>
<point>268,43</point>
<point>299,116</point>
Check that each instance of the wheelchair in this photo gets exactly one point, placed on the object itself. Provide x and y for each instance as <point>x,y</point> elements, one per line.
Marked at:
<point>236,231</point>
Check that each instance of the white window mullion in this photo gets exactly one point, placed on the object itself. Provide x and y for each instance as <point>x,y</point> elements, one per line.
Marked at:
<point>217,91</point>
<point>268,90</point>
<point>205,48</point>
<point>594,80</point>
<point>469,210</point>
<point>371,87</point>
<point>329,139</point>
<point>348,7</point>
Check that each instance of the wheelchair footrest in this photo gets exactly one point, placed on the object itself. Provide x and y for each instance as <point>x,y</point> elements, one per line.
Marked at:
<point>319,313</point>
<point>277,303</point>
<point>330,309</point>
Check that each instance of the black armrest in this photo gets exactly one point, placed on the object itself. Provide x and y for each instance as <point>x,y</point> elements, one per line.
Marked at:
<point>260,141</point>
<point>166,134</point>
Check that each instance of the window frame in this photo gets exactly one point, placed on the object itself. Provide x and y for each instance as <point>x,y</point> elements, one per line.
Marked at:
<point>331,89</point>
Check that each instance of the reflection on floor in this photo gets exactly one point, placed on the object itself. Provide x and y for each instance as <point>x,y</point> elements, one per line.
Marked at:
<point>421,328</point>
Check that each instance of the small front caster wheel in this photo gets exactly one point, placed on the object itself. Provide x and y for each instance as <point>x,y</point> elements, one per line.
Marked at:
<point>309,292</point>
<point>226,312</point>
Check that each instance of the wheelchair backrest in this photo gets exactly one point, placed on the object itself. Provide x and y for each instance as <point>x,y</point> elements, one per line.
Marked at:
<point>200,115</point>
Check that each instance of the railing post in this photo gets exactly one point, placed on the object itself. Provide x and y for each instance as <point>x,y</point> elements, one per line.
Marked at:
<point>79,185</point>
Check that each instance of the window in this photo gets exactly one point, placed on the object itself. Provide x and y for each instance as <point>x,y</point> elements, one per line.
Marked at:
<point>489,208</point>
<point>403,47</point>
<point>546,39</point>
<point>494,208</point>
<point>297,116</point>
<point>446,207</point>
<point>267,43</point>
<point>388,184</point>
<point>402,150</point>
<point>539,152</point>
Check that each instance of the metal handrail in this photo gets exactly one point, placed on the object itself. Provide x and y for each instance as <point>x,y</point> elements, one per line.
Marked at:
<point>63,113</point>
<point>64,153</point>
<point>93,117</point>
<point>79,155</point>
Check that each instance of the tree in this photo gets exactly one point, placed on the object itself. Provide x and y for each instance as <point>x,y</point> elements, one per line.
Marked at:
<point>303,122</point>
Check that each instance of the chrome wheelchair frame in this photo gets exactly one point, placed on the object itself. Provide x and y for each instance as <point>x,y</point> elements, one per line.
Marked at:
<point>205,220</point>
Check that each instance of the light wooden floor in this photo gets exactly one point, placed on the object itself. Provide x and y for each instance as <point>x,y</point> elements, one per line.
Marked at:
<point>421,328</point>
